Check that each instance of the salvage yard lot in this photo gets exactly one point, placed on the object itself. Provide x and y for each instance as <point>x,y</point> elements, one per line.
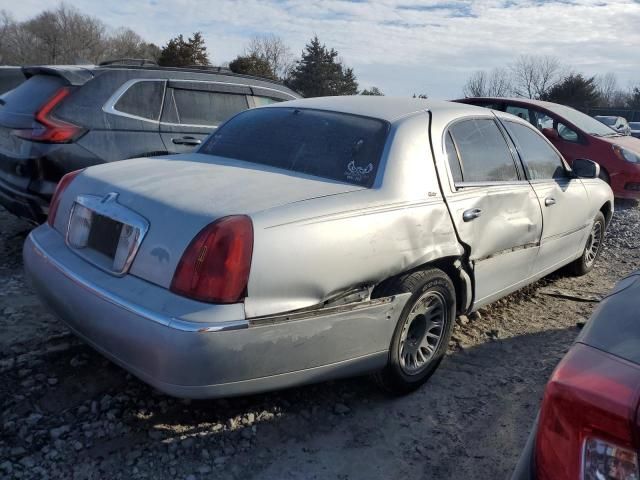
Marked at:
<point>69,413</point>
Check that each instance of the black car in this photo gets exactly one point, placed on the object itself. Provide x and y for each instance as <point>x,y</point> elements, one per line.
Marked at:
<point>10,78</point>
<point>64,118</point>
<point>589,422</point>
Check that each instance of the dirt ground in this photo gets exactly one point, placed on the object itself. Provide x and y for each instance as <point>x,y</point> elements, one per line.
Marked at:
<point>66,412</point>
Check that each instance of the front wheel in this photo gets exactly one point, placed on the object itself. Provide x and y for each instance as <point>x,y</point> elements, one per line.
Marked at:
<point>592,249</point>
<point>422,334</point>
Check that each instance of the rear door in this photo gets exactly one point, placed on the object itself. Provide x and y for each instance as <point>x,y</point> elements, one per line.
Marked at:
<point>192,110</point>
<point>494,208</point>
<point>563,199</point>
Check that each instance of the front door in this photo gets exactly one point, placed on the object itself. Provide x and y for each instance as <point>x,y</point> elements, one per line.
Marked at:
<point>562,199</point>
<point>494,208</point>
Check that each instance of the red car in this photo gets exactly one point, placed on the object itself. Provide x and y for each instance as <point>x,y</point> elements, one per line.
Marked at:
<point>577,135</point>
<point>589,422</point>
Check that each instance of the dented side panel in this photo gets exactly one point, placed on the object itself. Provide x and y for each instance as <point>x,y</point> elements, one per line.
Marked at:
<point>306,252</point>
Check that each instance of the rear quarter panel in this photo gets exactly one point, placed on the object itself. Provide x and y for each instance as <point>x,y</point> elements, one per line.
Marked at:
<point>307,251</point>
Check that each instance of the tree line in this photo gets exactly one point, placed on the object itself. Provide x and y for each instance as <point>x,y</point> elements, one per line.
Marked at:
<point>64,35</point>
<point>545,78</point>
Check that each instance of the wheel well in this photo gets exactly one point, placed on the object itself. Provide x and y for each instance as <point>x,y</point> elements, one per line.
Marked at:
<point>447,265</point>
<point>606,211</point>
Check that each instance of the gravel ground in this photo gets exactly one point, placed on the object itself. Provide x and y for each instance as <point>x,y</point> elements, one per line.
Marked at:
<point>66,412</point>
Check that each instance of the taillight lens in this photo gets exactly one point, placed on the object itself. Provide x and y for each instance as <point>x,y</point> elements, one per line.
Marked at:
<point>215,266</point>
<point>50,128</point>
<point>586,427</point>
<point>57,195</point>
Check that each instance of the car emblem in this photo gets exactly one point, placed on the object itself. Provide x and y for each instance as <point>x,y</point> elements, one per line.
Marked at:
<point>109,197</point>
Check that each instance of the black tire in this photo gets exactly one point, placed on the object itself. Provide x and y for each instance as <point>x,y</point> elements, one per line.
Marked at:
<point>587,260</point>
<point>432,288</point>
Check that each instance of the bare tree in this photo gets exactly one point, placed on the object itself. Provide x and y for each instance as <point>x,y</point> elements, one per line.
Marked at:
<point>274,51</point>
<point>534,76</point>
<point>125,43</point>
<point>63,35</point>
<point>496,83</point>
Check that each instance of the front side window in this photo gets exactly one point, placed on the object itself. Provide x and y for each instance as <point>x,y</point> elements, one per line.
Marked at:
<point>199,107</point>
<point>541,121</point>
<point>484,154</point>
<point>331,145</point>
<point>541,162</point>
<point>142,99</point>
<point>521,112</point>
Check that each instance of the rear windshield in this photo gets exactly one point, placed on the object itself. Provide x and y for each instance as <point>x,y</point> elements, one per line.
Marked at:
<point>30,95</point>
<point>330,145</point>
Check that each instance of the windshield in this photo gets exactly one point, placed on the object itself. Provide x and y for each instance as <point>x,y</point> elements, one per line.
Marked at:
<point>584,122</point>
<point>635,125</point>
<point>607,120</point>
<point>330,145</point>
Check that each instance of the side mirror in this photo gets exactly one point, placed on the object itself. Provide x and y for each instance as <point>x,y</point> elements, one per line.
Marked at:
<point>584,168</point>
<point>551,133</point>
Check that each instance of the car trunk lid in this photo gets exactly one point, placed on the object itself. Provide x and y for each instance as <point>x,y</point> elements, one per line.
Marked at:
<point>180,195</point>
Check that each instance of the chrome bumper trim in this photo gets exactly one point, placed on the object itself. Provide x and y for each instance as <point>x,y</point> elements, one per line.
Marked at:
<point>166,320</point>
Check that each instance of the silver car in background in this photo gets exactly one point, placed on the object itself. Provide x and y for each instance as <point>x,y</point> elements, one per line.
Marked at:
<point>311,240</point>
<point>635,129</point>
<point>619,124</point>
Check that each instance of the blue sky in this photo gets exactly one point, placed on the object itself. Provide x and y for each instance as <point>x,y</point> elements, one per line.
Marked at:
<point>401,46</point>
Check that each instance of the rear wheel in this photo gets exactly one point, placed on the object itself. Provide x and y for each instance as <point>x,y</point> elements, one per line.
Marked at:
<point>422,334</point>
<point>592,249</point>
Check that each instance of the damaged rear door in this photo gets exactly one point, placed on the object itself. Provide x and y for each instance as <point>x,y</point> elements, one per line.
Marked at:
<point>494,208</point>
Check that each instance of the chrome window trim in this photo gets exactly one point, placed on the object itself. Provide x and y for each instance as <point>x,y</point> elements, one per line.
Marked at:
<point>110,105</point>
<point>109,207</point>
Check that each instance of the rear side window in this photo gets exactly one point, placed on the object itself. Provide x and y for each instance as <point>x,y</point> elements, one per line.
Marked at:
<point>541,162</point>
<point>142,99</point>
<point>262,101</point>
<point>330,145</point>
<point>28,97</point>
<point>197,107</point>
<point>484,153</point>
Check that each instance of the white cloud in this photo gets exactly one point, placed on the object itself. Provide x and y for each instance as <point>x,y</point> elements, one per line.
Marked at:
<point>401,46</point>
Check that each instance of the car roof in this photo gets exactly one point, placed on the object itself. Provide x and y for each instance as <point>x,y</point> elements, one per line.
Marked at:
<point>386,108</point>
<point>556,108</point>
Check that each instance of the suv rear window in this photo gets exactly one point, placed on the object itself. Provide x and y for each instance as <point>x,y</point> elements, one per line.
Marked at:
<point>142,99</point>
<point>330,145</point>
<point>29,96</point>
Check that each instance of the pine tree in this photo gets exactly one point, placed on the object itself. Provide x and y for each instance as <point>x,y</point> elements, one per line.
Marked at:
<point>320,73</point>
<point>181,53</point>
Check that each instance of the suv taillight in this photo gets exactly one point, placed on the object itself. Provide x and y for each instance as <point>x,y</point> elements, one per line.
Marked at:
<point>588,419</point>
<point>215,266</point>
<point>50,128</point>
<point>64,182</point>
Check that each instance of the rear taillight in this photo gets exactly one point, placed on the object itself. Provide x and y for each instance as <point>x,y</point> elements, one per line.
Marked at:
<point>587,421</point>
<point>51,129</point>
<point>57,195</point>
<point>215,266</point>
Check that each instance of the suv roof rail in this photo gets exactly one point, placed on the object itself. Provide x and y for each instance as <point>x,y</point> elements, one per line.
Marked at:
<point>194,69</point>
<point>128,62</point>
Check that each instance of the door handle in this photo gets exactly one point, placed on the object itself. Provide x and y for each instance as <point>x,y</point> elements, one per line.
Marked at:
<point>471,214</point>
<point>549,201</point>
<point>186,141</point>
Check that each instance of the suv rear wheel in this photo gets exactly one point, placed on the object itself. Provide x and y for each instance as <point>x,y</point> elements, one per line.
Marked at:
<point>422,334</point>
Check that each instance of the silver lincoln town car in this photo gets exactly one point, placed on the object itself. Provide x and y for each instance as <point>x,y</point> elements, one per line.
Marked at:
<point>310,240</point>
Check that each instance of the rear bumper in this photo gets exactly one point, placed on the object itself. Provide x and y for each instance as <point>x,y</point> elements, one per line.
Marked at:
<point>525,468</point>
<point>22,204</point>
<point>197,350</point>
